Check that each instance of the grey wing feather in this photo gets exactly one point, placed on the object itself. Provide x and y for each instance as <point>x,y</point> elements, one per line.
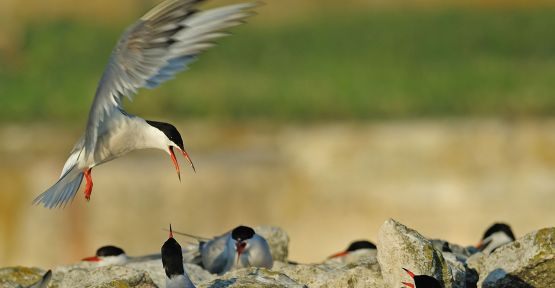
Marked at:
<point>214,254</point>
<point>63,191</point>
<point>162,43</point>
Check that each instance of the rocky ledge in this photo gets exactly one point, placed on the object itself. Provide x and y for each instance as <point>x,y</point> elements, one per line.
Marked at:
<point>527,262</point>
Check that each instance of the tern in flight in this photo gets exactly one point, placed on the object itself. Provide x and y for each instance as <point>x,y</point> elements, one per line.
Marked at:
<point>159,45</point>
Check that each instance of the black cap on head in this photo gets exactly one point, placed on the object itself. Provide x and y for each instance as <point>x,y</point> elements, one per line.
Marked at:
<point>362,244</point>
<point>169,130</point>
<point>172,258</point>
<point>241,233</point>
<point>425,281</point>
<point>499,227</point>
<point>109,250</point>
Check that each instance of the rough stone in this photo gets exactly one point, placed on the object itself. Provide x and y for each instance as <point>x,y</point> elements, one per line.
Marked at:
<point>527,262</point>
<point>400,247</point>
<point>365,273</point>
<point>15,277</point>
<point>354,257</point>
<point>158,276</point>
<point>253,277</point>
<point>101,277</point>
<point>278,240</point>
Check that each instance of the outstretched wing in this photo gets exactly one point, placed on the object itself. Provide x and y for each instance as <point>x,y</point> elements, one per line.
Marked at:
<point>153,50</point>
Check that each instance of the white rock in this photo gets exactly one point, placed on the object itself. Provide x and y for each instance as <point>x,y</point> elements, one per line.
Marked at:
<point>365,273</point>
<point>400,247</point>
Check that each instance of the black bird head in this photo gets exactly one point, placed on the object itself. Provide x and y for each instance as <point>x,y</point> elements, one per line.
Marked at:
<point>172,257</point>
<point>175,140</point>
<point>241,234</point>
<point>109,250</point>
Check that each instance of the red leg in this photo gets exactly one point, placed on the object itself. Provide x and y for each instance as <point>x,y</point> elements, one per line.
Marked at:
<point>89,186</point>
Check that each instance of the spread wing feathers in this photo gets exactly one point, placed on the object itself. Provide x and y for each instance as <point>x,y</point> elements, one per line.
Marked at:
<point>162,43</point>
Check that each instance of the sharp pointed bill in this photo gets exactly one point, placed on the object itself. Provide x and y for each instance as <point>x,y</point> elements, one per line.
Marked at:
<point>238,248</point>
<point>172,261</point>
<point>153,50</point>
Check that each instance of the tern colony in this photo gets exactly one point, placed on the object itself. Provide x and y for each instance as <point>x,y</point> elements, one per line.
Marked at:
<point>165,41</point>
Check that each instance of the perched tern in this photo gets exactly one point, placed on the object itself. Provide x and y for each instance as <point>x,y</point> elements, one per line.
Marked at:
<point>422,281</point>
<point>172,260</point>
<point>160,44</point>
<point>356,246</point>
<point>496,236</point>
<point>239,248</point>
<point>108,255</point>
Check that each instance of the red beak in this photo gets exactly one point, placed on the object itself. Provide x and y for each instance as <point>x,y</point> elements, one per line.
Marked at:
<point>411,276</point>
<point>176,164</point>
<point>91,259</point>
<point>240,247</point>
<point>186,155</point>
<point>340,254</point>
<point>409,272</point>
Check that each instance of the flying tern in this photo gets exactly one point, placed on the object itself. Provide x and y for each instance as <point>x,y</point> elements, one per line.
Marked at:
<point>160,44</point>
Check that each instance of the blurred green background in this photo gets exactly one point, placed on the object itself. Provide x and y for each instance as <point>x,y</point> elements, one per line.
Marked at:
<point>356,61</point>
<point>324,117</point>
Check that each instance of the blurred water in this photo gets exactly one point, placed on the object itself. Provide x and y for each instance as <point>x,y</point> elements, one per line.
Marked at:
<point>326,184</point>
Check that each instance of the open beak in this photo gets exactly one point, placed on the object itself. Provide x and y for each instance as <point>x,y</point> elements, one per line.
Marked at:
<point>240,247</point>
<point>91,259</point>
<point>340,254</point>
<point>176,164</point>
<point>411,276</point>
<point>409,272</point>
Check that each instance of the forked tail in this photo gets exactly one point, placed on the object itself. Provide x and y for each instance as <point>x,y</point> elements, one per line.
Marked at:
<point>63,191</point>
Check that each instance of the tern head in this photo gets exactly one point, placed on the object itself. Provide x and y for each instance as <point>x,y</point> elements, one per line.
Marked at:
<point>241,235</point>
<point>354,246</point>
<point>108,255</point>
<point>421,281</point>
<point>172,257</point>
<point>497,235</point>
<point>173,140</point>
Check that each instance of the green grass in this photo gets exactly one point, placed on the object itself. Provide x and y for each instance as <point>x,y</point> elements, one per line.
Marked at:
<point>385,64</point>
